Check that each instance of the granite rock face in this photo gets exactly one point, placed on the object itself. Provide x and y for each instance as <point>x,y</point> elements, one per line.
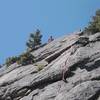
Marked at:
<point>77,57</point>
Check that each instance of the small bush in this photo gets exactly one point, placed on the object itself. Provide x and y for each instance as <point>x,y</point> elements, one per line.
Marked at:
<point>11,60</point>
<point>39,67</point>
<point>25,59</point>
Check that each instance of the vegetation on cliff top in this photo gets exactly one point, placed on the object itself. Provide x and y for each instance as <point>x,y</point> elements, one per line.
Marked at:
<point>35,42</point>
<point>27,58</point>
<point>94,24</point>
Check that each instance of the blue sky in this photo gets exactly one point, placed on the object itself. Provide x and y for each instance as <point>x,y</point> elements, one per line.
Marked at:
<point>18,18</point>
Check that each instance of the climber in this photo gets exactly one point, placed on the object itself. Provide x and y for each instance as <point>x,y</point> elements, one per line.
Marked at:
<point>50,39</point>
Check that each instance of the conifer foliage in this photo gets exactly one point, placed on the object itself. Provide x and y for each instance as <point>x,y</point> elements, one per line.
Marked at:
<point>25,59</point>
<point>94,24</point>
<point>11,60</point>
<point>34,40</point>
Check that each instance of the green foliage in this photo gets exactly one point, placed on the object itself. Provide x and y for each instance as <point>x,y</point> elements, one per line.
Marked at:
<point>94,25</point>
<point>34,40</point>
<point>40,67</point>
<point>11,60</point>
<point>25,59</point>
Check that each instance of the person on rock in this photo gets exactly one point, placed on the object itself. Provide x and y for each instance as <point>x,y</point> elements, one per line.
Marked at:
<point>50,39</point>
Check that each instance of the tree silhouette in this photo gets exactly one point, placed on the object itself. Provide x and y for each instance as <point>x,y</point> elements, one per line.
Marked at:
<point>94,24</point>
<point>34,39</point>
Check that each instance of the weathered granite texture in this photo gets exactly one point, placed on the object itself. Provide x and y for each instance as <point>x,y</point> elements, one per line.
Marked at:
<point>77,56</point>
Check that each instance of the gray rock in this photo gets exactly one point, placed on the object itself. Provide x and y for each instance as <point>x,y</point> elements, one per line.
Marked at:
<point>95,37</point>
<point>84,91</point>
<point>75,56</point>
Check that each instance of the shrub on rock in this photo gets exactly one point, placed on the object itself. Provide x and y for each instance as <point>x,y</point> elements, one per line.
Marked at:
<point>25,59</point>
<point>11,60</point>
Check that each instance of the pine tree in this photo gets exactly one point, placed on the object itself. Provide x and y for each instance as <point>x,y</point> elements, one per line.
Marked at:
<point>25,59</point>
<point>94,25</point>
<point>34,40</point>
